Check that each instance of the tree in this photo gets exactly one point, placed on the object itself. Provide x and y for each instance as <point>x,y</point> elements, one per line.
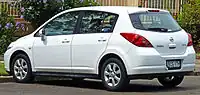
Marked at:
<point>39,11</point>
<point>189,19</point>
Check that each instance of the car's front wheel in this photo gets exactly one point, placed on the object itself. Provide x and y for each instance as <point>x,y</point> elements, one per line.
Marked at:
<point>21,69</point>
<point>171,81</point>
<point>113,74</point>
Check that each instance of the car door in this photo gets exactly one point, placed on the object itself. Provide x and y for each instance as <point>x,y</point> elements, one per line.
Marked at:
<point>95,29</point>
<point>54,52</point>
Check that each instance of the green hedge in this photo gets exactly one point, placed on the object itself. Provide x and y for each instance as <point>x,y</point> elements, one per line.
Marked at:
<point>189,19</point>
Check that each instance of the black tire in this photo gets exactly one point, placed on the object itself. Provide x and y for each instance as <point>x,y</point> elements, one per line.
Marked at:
<point>173,82</point>
<point>123,80</point>
<point>29,77</point>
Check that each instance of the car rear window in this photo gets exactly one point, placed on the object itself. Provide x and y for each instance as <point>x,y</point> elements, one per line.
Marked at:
<point>154,21</point>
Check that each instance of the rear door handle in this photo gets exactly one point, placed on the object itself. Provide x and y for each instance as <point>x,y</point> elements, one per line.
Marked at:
<point>65,41</point>
<point>102,40</point>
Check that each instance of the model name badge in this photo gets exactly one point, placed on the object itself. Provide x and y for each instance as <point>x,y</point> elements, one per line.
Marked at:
<point>160,45</point>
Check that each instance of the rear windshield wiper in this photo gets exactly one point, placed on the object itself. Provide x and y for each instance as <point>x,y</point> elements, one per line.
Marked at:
<point>158,29</point>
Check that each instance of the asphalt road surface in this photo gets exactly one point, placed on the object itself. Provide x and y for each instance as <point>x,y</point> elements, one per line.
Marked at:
<point>190,86</point>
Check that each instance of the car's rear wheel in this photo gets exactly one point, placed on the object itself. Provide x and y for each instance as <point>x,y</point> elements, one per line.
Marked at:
<point>113,75</point>
<point>21,69</point>
<point>171,81</point>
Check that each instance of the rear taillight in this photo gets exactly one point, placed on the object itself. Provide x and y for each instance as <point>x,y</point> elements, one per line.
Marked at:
<point>137,39</point>
<point>189,40</point>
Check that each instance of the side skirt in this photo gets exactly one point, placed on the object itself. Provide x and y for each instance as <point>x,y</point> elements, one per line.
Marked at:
<point>68,75</point>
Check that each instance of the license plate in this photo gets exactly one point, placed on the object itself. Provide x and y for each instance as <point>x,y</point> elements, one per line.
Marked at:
<point>173,64</point>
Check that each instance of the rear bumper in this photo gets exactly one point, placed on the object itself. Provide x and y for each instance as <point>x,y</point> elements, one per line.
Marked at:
<point>156,75</point>
<point>149,61</point>
<point>161,69</point>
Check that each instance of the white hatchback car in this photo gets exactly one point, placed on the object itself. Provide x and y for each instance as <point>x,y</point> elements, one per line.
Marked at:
<point>114,44</point>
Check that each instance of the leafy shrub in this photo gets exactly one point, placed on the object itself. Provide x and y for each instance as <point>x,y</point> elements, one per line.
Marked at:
<point>189,19</point>
<point>39,11</point>
<point>7,29</point>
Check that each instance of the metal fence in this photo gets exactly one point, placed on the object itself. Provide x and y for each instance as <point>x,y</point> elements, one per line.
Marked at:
<point>11,6</point>
<point>175,6</point>
<point>117,2</point>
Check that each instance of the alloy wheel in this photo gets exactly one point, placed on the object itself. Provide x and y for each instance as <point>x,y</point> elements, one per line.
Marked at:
<point>112,74</point>
<point>20,68</point>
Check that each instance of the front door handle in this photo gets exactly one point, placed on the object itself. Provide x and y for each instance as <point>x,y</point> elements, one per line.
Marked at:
<point>65,41</point>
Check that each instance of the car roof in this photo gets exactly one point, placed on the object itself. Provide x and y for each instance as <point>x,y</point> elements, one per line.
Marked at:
<point>115,9</point>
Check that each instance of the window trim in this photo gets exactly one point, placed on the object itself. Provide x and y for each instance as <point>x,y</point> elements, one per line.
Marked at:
<point>74,31</point>
<point>82,13</point>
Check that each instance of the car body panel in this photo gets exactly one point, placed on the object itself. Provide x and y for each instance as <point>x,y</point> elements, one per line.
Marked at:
<point>22,44</point>
<point>86,49</point>
<point>53,54</point>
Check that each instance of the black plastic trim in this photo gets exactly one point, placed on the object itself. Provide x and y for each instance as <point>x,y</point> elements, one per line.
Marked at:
<point>70,75</point>
<point>156,75</point>
<point>95,76</point>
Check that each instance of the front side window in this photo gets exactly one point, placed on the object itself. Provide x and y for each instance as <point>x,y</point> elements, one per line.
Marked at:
<point>97,22</point>
<point>155,21</point>
<point>62,25</point>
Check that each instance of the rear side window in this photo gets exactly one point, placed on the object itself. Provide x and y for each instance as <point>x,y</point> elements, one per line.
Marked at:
<point>97,22</point>
<point>154,21</point>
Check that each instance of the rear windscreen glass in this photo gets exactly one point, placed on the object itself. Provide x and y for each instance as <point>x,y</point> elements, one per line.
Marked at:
<point>154,21</point>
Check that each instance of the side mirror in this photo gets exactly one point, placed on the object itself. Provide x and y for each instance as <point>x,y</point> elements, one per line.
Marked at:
<point>43,34</point>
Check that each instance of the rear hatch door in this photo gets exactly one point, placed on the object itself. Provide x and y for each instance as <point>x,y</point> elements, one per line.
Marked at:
<point>161,30</point>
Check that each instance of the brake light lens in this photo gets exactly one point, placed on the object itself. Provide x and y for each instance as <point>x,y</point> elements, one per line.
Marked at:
<point>136,39</point>
<point>189,40</point>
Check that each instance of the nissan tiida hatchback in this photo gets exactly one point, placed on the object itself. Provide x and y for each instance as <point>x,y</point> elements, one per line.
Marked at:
<point>114,44</point>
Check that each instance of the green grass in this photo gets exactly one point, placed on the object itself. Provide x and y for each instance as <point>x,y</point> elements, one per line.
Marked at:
<point>2,69</point>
